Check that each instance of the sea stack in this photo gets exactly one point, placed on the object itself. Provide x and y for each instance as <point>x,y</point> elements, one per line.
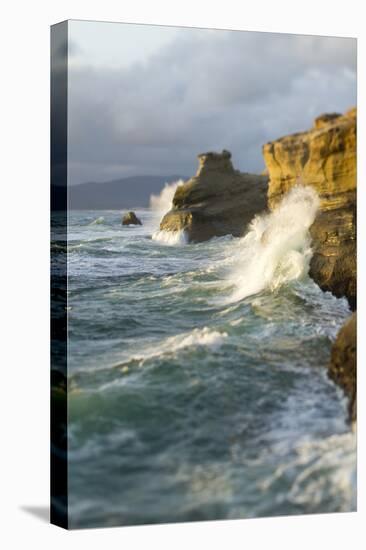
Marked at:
<point>217,201</point>
<point>325,158</point>
<point>131,219</point>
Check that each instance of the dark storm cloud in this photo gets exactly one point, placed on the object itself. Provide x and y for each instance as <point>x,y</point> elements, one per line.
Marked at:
<point>206,90</point>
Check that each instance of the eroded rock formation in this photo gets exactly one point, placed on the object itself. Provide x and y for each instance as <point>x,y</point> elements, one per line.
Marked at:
<point>217,201</point>
<point>342,367</point>
<point>324,157</point>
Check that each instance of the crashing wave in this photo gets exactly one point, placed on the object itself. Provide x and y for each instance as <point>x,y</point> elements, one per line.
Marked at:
<point>162,203</point>
<point>170,238</point>
<point>277,247</point>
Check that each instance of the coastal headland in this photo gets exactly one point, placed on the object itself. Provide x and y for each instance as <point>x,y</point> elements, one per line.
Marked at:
<point>220,200</point>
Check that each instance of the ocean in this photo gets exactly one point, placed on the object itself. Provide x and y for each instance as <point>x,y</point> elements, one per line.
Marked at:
<point>197,374</point>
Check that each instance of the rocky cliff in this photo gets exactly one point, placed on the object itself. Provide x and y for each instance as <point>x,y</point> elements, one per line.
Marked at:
<point>218,200</point>
<point>342,367</point>
<point>325,158</point>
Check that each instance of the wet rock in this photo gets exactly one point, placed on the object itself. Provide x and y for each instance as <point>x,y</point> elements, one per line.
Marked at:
<point>131,219</point>
<point>342,368</point>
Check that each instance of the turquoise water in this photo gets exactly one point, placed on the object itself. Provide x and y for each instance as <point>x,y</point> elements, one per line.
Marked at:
<point>186,405</point>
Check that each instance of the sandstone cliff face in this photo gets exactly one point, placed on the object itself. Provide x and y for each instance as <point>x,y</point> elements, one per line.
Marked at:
<point>217,201</point>
<point>325,158</point>
<point>342,367</point>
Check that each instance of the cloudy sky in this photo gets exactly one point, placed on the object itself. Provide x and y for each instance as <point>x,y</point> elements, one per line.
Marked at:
<point>147,99</point>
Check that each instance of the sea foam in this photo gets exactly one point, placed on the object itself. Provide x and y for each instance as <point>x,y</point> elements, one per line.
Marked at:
<point>277,247</point>
<point>170,238</point>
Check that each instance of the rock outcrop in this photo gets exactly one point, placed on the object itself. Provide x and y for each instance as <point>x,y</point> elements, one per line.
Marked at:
<point>217,201</point>
<point>342,368</point>
<point>131,219</point>
<point>325,158</point>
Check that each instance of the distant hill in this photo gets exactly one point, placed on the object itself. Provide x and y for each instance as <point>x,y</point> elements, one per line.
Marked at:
<point>117,194</point>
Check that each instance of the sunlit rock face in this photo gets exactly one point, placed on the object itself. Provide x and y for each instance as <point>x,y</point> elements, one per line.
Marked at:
<point>325,158</point>
<point>217,201</point>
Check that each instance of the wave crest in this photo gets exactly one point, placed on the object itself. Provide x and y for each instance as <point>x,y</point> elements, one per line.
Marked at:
<point>197,338</point>
<point>205,337</point>
<point>98,221</point>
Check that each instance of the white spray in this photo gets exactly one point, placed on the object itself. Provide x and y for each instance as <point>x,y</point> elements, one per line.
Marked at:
<point>277,247</point>
<point>160,205</point>
<point>170,238</point>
